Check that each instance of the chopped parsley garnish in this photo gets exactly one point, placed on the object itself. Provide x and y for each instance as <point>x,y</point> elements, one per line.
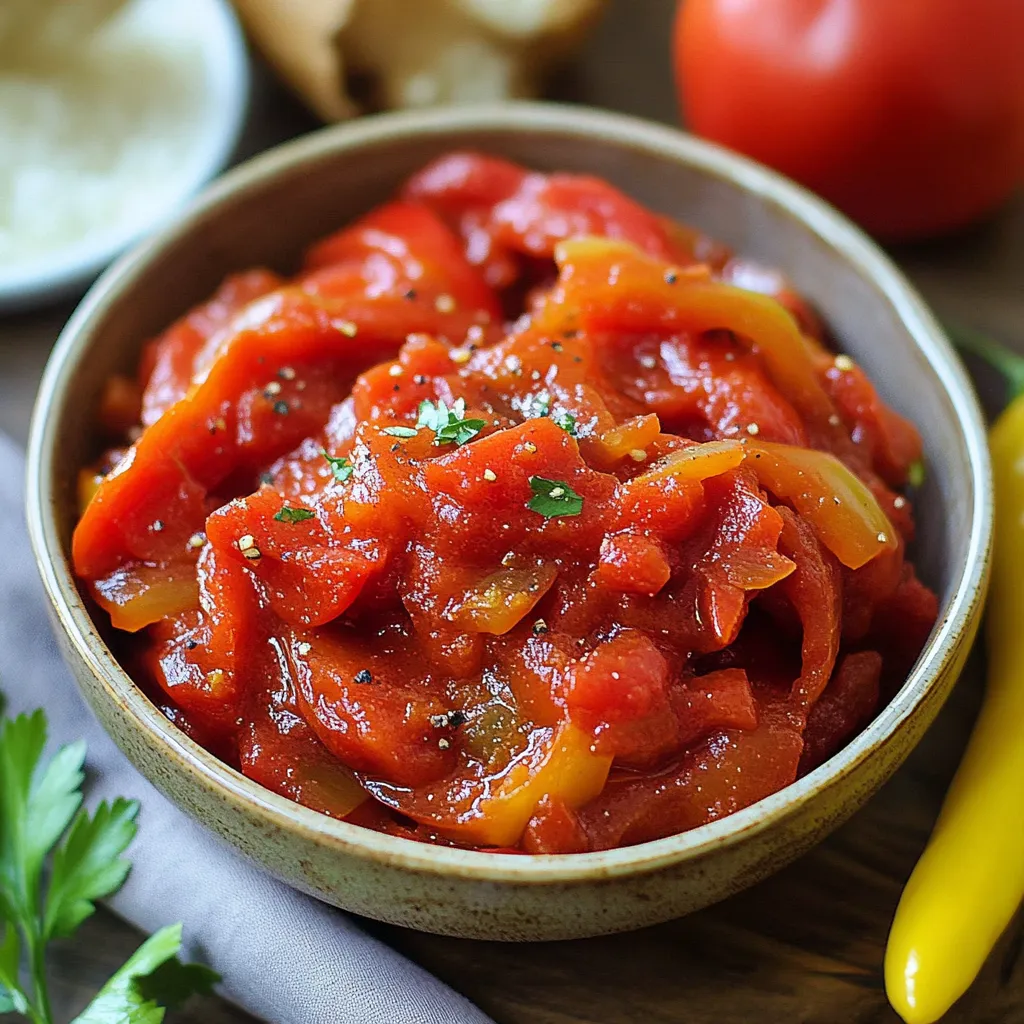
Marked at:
<point>915,474</point>
<point>567,422</point>
<point>400,431</point>
<point>552,498</point>
<point>449,425</point>
<point>341,468</point>
<point>293,515</point>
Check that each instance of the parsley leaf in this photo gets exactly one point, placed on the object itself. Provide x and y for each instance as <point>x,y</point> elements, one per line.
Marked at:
<point>292,515</point>
<point>341,468</point>
<point>916,474</point>
<point>567,422</point>
<point>35,807</point>
<point>400,431</point>
<point>552,498</point>
<point>88,865</point>
<point>173,982</point>
<point>449,425</point>
<point>129,997</point>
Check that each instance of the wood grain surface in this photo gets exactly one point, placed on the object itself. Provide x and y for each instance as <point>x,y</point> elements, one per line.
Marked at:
<point>804,947</point>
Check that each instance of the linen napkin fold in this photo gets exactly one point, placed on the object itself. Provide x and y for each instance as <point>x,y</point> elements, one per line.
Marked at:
<point>283,956</point>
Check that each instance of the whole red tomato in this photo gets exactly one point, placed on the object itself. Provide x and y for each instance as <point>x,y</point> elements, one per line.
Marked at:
<point>907,114</point>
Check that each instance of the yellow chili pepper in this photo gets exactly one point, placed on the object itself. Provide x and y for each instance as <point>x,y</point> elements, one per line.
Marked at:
<point>970,879</point>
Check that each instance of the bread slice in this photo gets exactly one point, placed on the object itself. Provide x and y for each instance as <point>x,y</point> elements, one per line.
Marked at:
<point>347,56</point>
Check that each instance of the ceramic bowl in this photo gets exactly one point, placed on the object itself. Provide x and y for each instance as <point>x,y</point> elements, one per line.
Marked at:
<point>264,213</point>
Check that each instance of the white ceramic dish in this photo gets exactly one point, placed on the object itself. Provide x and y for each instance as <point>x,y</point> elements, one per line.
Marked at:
<point>52,275</point>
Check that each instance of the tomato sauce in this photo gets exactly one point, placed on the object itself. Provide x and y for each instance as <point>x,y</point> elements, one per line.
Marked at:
<point>520,518</point>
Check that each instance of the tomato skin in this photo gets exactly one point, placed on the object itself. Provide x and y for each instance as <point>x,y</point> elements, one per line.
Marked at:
<point>394,247</point>
<point>171,360</point>
<point>908,116</point>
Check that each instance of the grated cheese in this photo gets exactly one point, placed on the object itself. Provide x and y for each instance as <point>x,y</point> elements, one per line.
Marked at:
<point>95,140</point>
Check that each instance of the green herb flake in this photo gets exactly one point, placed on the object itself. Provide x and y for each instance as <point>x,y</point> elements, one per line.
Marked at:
<point>341,468</point>
<point>553,498</point>
<point>568,423</point>
<point>916,474</point>
<point>293,515</point>
<point>449,425</point>
<point>399,431</point>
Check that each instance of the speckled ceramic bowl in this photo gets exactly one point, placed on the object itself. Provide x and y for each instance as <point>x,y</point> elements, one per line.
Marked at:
<point>265,213</point>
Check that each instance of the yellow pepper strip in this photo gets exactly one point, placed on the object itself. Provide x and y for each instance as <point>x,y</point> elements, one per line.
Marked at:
<point>147,595</point>
<point>695,463</point>
<point>566,767</point>
<point>970,879</point>
<point>607,280</point>
<point>839,506</point>
<point>845,514</point>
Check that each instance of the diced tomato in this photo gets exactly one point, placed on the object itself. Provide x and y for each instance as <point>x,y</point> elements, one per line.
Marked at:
<point>625,677</point>
<point>886,438</point>
<point>308,588</point>
<point>733,557</point>
<point>632,563</point>
<point>902,622</point>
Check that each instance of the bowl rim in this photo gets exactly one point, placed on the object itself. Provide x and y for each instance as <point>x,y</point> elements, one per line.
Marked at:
<point>554,119</point>
<point>57,274</point>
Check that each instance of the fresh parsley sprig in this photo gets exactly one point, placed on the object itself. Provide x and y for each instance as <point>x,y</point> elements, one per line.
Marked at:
<point>41,816</point>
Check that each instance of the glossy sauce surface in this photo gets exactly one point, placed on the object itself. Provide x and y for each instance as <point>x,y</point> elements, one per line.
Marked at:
<point>521,518</point>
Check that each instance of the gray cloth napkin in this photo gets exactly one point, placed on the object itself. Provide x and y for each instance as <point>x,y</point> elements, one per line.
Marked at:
<point>283,956</point>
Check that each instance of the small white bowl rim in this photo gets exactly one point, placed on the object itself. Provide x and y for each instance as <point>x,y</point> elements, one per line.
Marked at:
<point>622,130</point>
<point>72,267</point>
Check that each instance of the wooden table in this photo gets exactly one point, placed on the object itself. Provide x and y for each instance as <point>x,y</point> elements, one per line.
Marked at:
<point>804,946</point>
